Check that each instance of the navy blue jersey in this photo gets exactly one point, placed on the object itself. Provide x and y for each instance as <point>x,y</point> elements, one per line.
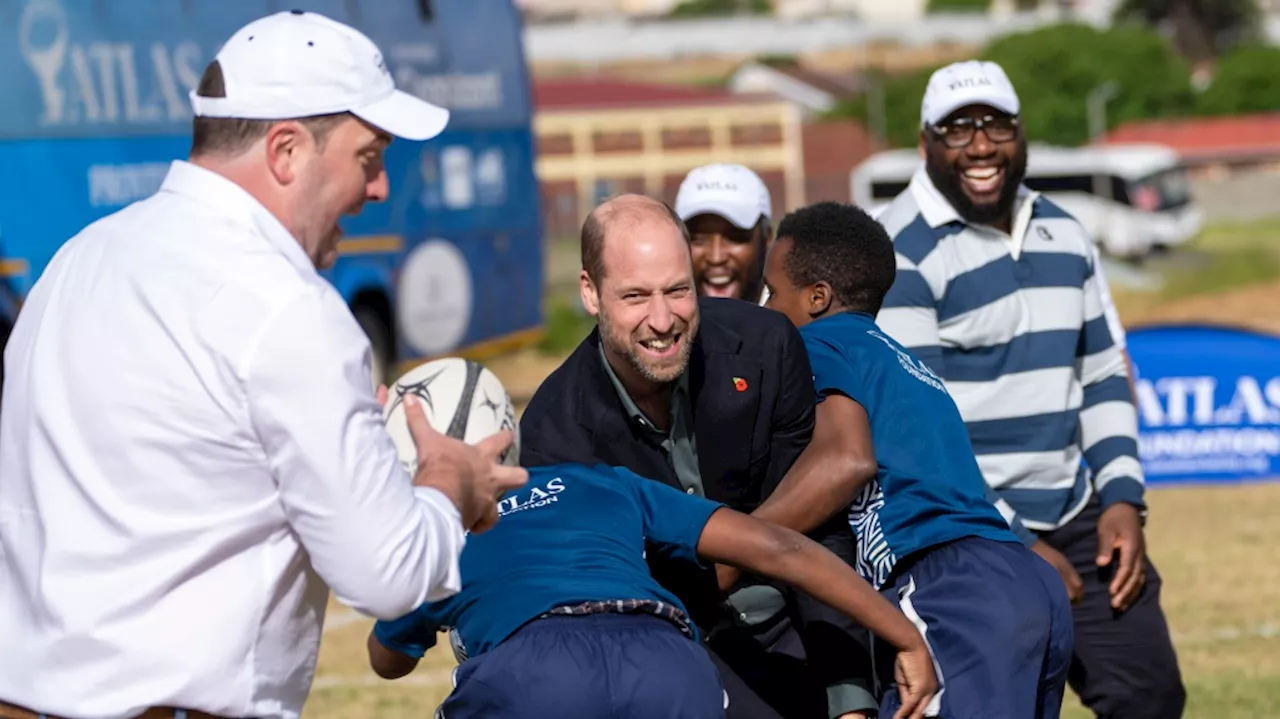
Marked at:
<point>573,534</point>
<point>928,488</point>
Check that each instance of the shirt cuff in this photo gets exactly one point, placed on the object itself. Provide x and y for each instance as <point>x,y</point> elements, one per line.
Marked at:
<point>755,604</point>
<point>385,633</point>
<point>1123,489</point>
<point>850,696</point>
<point>441,501</point>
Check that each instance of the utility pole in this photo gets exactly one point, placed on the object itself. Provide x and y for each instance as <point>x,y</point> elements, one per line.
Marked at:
<point>1096,105</point>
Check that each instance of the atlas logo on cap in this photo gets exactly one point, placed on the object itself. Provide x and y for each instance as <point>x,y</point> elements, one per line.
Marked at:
<point>297,64</point>
<point>733,192</point>
<point>712,186</point>
<point>969,82</point>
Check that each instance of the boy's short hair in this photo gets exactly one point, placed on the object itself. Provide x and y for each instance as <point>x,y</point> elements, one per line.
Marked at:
<point>845,247</point>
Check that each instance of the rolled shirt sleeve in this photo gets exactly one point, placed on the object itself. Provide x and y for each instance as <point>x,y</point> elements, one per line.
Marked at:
<point>382,545</point>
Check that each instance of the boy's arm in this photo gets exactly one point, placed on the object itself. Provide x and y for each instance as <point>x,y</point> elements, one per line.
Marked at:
<point>822,484</point>
<point>698,528</point>
<point>396,646</point>
<point>839,460</point>
<point>388,663</point>
<point>779,553</point>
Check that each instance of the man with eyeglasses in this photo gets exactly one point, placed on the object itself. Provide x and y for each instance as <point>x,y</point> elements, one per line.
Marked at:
<point>997,291</point>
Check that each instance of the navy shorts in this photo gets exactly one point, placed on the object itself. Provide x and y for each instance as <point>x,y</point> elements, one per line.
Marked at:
<point>599,666</point>
<point>998,623</point>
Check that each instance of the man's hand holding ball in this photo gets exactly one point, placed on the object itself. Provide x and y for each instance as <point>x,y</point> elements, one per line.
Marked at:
<point>472,475</point>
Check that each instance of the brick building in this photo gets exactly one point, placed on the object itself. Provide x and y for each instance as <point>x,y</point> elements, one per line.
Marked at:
<point>600,136</point>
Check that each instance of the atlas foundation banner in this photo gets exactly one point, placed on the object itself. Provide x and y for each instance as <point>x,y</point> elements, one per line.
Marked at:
<point>1208,403</point>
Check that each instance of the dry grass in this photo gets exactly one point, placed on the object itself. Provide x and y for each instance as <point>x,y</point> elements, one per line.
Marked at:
<point>1255,307</point>
<point>1215,547</point>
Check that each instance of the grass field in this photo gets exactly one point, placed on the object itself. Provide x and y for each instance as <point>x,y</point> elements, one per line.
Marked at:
<point>1215,546</point>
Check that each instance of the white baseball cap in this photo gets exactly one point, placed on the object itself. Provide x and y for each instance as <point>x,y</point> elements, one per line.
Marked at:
<point>731,191</point>
<point>961,84</point>
<point>298,64</point>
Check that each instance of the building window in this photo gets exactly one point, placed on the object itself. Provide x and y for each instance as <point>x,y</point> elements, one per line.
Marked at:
<point>758,134</point>
<point>685,138</point>
<point>626,141</point>
<point>559,144</point>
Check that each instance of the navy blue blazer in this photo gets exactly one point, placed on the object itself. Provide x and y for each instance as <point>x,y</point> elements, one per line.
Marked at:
<point>747,438</point>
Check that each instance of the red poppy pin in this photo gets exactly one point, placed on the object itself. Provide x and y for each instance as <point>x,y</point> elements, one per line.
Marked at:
<point>740,384</point>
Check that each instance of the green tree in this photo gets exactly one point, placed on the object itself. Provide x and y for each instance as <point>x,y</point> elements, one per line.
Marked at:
<point>975,6</point>
<point>1202,29</point>
<point>902,96</point>
<point>1244,82</point>
<point>1055,68</point>
<point>711,8</point>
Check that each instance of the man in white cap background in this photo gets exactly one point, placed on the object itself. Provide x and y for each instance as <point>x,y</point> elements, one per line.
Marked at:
<point>997,291</point>
<point>191,454</point>
<point>727,209</point>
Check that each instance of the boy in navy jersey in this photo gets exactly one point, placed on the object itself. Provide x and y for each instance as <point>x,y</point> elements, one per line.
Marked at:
<point>559,617</point>
<point>995,616</point>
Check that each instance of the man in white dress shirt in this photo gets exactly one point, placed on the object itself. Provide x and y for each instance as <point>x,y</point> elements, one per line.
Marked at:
<point>191,453</point>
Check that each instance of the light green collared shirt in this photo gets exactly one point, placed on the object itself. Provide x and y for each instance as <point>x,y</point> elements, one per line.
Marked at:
<point>679,442</point>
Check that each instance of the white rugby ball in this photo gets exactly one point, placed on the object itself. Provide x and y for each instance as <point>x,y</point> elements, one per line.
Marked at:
<point>461,398</point>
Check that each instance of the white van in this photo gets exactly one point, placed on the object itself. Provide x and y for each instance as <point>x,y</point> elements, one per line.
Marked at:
<point>1132,198</point>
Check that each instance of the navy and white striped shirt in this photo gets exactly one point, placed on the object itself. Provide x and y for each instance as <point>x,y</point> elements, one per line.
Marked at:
<point>1014,325</point>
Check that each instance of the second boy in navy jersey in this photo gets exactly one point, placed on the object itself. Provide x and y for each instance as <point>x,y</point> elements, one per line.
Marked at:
<point>995,616</point>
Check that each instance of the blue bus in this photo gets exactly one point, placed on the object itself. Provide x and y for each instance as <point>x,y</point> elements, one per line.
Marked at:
<point>95,108</point>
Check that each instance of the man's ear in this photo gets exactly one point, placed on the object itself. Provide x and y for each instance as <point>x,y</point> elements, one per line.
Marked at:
<point>820,298</point>
<point>589,294</point>
<point>922,145</point>
<point>283,144</point>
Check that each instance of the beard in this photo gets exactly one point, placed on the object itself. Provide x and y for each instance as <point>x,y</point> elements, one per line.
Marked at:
<point>627,346</point>
<point>754,286</point>
<point>946,177</point>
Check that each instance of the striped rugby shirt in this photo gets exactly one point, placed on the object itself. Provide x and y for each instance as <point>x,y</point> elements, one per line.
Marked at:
<point>1015,327</point>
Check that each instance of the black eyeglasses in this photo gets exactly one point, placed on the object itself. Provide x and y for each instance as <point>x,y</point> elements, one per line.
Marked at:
<point>960,131</point>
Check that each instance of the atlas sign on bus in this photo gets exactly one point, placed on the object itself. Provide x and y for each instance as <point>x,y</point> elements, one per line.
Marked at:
<point>104,81</point>
<point>1208,403</point>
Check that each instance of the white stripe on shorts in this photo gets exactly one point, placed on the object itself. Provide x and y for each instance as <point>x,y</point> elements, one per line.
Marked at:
<point>904,603</point>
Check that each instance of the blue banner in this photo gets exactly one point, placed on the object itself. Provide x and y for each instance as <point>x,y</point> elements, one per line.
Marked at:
<point>73,68</point>
<point>1208,403</point>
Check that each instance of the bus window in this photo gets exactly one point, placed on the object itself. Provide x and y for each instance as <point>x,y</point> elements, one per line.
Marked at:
<point>886,190</point>
<point>1082,183</point>
<point>1049,184</point>
<point>1165,190</point>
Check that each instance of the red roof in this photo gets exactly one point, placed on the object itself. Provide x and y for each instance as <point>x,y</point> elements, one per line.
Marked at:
<point>1207,137</point>
<point>583,92</point>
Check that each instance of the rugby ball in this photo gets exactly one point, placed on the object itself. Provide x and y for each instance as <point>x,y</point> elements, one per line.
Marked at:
<point>461,398</point>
